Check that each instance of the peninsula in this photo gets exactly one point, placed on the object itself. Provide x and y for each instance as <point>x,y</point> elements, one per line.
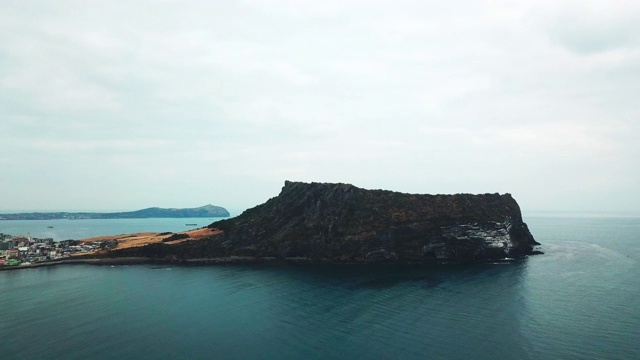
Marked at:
<point>207,211</point>
<point>341,223</point>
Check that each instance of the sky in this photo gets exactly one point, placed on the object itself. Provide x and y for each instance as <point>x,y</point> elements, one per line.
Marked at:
<point>122,105</point>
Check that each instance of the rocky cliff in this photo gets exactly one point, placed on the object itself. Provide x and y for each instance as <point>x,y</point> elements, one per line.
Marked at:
<point>343,223</point>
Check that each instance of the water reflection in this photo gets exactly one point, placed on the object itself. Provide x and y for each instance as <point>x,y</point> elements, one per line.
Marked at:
<point>328,312</point>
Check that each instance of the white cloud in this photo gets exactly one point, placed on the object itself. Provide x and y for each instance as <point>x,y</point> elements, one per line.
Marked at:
<point>592,27</point>
<point>469,96</point>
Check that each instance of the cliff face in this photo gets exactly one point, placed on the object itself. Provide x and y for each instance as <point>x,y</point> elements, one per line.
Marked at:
<point>343,223</point>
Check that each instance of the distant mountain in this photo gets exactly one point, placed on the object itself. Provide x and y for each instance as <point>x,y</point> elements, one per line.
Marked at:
<point>206,211</point>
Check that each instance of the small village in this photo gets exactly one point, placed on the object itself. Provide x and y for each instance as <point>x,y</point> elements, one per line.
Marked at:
<point>27,250</point>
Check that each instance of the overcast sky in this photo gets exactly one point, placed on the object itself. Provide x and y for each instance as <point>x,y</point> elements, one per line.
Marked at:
<point>114,105</point>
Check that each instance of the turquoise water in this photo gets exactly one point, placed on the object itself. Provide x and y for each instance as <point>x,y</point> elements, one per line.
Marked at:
<point>581,300</point>
<point>81,229</point>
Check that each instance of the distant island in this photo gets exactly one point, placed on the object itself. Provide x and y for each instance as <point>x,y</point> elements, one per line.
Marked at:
<point>341,223</point>
<point>207,211</point>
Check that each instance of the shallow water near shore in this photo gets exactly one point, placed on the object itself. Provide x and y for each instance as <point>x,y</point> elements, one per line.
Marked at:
<point>579,300</point>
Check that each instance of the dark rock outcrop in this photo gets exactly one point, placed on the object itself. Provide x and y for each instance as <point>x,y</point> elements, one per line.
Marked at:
<point>343,223</point>
<point>175,237</point>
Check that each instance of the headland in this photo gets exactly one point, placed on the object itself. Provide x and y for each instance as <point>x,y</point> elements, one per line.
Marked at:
<point>341,223</point>
<point>331,223</point>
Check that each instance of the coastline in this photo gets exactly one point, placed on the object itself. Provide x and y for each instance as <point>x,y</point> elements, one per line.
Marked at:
<point>90,261</point>
<point>233,260</point>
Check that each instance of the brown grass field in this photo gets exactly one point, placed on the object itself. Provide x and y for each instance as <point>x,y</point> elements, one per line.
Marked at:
<point>144,238</point>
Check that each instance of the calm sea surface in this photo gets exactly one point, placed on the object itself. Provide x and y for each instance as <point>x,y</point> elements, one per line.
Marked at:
<point>581,300</point>
<point>80,229</point>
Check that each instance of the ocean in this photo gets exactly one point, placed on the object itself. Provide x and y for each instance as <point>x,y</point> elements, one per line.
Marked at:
<point>62,229</point>
<point>580,300</point>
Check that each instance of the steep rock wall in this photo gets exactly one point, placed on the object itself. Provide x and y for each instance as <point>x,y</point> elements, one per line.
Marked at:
<point>342,223</point>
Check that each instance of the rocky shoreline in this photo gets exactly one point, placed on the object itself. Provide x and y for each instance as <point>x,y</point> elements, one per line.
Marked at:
<point>84,261</point>
<point>231,260</point>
